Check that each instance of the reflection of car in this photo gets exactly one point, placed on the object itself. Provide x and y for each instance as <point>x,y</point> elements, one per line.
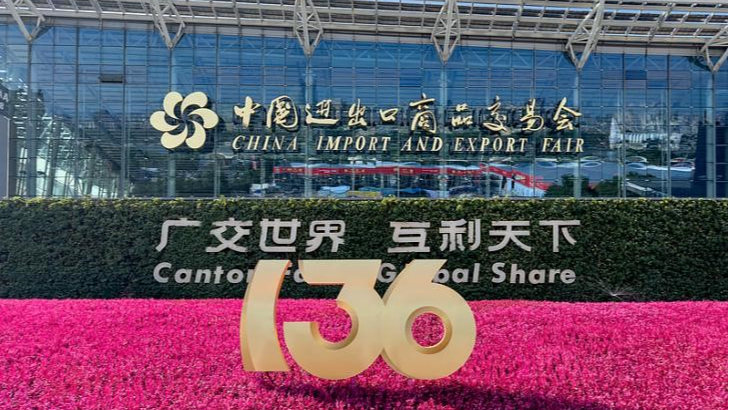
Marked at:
<point>333,191</point>
<point>637,166</point>
<point>259,189</point>
<point>385,192</point>
<point>590,164</point>
<point>636,158</point>
<point>148,172</point>
<point>546,164</point>
<point>268,190</point>
<point>501,160</point>
<point>463,191</point>
<point>413,193</point>
<point>686,164</point>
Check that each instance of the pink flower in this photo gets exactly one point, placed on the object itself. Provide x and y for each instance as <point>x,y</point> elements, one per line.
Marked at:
<point>120,354</point>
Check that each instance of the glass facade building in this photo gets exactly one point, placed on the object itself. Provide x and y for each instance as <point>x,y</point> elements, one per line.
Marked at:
<point>653,120</point>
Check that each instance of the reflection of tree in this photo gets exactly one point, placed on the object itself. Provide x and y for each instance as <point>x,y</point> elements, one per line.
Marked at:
<point>232,184</point>
<point>609,188</point>
<point>59,158</point>
<point>637,176</point>
<point>239,183</point>
<point>201,185</point>
<point>566,188</point>
<point>146,188</point>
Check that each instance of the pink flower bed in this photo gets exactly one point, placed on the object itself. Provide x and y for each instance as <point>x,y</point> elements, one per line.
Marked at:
<point>153,354</point>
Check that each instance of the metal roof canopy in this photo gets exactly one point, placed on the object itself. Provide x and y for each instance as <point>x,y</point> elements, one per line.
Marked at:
<point>700,25</point>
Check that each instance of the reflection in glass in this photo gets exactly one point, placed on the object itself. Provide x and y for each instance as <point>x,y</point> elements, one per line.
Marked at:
<point>653,125</point>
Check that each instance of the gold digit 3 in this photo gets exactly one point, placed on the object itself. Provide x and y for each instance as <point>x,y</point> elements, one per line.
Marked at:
<point>379,326</point>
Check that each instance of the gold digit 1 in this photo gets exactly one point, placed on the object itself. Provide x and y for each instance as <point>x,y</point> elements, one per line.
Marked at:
<point>359,299</point>
<point>259,343</point>
<point>412,294</point>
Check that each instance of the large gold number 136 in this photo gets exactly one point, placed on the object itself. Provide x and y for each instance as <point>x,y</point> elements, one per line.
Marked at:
<point>379,326</point>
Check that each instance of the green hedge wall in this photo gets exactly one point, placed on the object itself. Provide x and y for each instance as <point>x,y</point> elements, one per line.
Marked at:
<point>625,250</point>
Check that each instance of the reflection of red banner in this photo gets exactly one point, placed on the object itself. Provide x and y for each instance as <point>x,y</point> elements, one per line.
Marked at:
<point>524,179</point>
<point>521,177</point>
<point>289,170</point>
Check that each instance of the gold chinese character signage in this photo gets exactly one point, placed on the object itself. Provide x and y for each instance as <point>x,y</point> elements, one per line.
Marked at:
<point>461,129</point>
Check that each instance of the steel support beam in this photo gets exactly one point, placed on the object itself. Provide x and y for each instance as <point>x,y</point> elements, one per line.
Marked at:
<point>664,23</point>
<point>28,10</point>
<point>517,20</point>
<point>661,20</point>
<point>586,34</point>
<point>97,7</point>
<point>307,26</point>
<point>447,30</point>
<point>719,40</point>
<point>163,13</point>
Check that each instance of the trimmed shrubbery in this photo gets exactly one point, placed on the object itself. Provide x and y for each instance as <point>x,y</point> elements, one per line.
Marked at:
<point>625,249</point>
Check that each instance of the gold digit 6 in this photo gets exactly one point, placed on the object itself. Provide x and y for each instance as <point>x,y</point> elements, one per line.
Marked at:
<point>412,294</point>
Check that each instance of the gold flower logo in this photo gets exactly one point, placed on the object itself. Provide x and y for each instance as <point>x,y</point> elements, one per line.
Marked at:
<point>169,120</point>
